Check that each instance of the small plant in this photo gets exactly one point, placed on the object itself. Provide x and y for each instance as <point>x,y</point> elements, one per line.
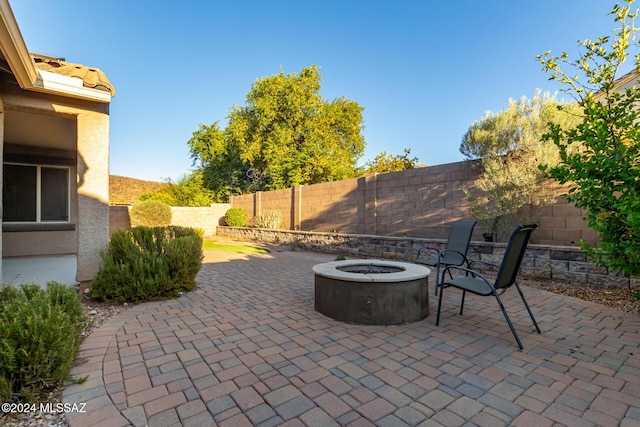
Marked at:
<point>144,263</point>
<point>40,330</point>
<point>150,213</point>
<point>270,219</point>
<point>340,257</point>
<point>235,217</point>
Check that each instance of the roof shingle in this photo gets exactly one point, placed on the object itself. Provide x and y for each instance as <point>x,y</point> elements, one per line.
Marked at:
<point>91,77</point>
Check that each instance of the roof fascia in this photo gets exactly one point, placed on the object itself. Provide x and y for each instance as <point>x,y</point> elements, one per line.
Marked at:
<point>28,76</point>
<point>68,86</point>
<point>14,49</point>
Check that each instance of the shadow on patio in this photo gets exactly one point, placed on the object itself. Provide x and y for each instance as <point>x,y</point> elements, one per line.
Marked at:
<point>247,348</point>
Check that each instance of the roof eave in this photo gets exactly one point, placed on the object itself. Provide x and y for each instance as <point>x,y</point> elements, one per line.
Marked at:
<point>24,70</point>
<point>14,48</point>
<point>68,86</point>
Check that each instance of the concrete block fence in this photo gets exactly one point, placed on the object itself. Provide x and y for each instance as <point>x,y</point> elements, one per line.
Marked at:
<point>418,202</point>
<point>208,218</point>
<point>557,263</point>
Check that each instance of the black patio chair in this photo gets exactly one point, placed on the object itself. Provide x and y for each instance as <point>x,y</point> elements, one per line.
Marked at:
<point>477,284</point>
<point>454,253</point>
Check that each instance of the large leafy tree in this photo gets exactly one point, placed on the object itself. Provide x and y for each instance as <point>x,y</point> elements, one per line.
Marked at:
<point>384,163</point>
<point>600,158</point>
<point>187,191</point>
<point>510,148</point>
<point>285,135</point>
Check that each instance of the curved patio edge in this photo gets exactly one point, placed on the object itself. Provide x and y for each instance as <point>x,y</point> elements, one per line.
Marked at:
<point>90,402</point>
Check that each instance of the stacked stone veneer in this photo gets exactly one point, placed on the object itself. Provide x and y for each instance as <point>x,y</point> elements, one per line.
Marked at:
<point>208,218</point>
<point>563,264</point>
<point>419,202</point>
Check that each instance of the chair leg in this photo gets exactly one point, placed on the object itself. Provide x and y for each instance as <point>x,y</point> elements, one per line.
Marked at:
<point>506,316</point>
<point>462,301</point>
<point>439,305</point>
<point>527,306</point>
<point>437,278</point>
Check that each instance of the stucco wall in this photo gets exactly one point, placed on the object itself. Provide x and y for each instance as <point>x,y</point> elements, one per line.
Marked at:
<point>89,139</point>
<point>419,202</point>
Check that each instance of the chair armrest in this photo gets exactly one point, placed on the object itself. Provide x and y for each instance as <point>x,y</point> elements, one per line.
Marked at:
<point>467,271</point>
<point>445,251</point>
<point>426,248</point>
<point>490,264</point>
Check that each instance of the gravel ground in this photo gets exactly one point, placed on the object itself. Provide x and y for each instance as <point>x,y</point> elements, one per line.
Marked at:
<point>97,313</point>
<point>619,298</point>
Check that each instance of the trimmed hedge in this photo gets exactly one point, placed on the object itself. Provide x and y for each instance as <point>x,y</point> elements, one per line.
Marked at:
<point>150,213</point>
<point>39,338</point>
<point>236,217</point>
<point>145,263</point>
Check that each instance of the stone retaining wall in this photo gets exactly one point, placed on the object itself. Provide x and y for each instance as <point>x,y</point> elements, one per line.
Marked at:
<point>558,263</point>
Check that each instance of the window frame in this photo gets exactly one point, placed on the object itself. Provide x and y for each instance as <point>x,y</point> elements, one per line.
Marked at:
<point>38,191</point>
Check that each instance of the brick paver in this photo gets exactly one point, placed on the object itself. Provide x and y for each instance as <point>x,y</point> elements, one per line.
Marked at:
<point>247,348</point>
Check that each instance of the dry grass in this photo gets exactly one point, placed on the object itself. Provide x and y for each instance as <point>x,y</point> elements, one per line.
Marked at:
<point>128,190</point>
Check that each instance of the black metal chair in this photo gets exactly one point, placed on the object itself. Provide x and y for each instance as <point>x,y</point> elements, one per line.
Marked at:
<point>454,253</point>
<point>474,282</point>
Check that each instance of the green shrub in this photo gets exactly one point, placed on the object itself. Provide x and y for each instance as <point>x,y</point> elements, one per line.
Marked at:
<point>270,219</point>
<point>236,217</point>
<point>39,338</point>
<point>144,263</point>
<point>150,213</point>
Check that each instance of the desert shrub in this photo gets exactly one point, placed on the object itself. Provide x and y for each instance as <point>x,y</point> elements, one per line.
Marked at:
<point>184,258</point>
<point>40,335</point>
<point>150,213</point>
<point>235,217</point>
<point>144,263</point>
<point>270,219</point>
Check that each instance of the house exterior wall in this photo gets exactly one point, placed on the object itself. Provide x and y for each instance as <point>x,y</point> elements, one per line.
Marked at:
<point>90,179</point>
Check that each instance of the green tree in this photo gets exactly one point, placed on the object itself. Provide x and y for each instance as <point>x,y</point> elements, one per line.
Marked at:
<point>285,135</point>
<point>600,158</point>
<point>187,191</point>
<point>384,162</point>
<point>511,186</point>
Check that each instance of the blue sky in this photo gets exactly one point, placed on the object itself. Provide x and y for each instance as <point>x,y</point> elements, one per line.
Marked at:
<point>423,70</point>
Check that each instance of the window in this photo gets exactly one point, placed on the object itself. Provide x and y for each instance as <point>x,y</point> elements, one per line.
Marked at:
<point>33,193</point>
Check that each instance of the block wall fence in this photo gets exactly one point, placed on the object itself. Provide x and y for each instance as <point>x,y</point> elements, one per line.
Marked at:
<point>420,202</point>
<point>208,218</point>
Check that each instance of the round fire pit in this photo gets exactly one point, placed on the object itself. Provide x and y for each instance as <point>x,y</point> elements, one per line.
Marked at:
<point>372,292</point>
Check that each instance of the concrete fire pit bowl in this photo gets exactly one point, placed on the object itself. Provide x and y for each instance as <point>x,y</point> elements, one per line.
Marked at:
<point>372,292</point>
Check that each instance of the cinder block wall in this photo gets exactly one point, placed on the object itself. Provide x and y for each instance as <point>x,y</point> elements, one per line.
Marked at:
<point>118,218</point>
<point>419,202</point>
<point>208,218</point>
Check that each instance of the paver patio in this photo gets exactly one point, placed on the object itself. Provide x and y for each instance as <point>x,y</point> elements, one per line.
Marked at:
<point>247,348</point>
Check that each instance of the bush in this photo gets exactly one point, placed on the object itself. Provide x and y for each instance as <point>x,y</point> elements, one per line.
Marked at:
<point>144,263</point>
<point>150,213</point>
<point>40,335</point>
<point>269,219</point>
<point>236,217</point>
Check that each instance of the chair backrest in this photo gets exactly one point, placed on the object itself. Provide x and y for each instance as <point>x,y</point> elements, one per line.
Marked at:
<point>459,238</point>
<point>513,255</point>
